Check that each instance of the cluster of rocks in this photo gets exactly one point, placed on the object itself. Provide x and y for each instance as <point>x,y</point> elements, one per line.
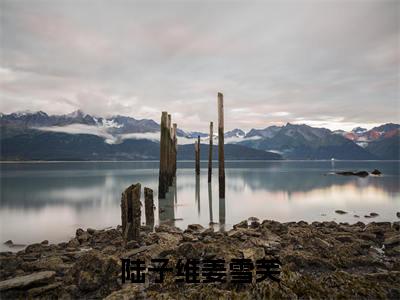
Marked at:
<point>319,260</point>
<point>359,173</point>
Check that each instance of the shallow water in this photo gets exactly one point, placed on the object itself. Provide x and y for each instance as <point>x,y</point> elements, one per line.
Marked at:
<point>51,200</point>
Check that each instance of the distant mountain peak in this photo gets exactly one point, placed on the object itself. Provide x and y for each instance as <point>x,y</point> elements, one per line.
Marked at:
<point>76,114</point>
<point>239,133</point>
<point>359,130</point>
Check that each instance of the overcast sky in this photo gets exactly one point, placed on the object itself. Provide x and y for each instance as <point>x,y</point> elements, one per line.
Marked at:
<point>325,63</point>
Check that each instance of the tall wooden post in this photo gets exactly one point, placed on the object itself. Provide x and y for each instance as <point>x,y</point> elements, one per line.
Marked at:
<point>197,155</point>
<point>131,213</point>
<point>169,165</point>
<point>174,148</point>
<point>164,141</point>
<point>210,153</point>
<point>221,155</point>
<point>149,206</point>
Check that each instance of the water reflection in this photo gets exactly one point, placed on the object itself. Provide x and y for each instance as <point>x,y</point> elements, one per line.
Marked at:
<point>210,204</point>
<point>166,207</point>
<point>197,195</point>
<point>49,201</point>
<point>222,214</point>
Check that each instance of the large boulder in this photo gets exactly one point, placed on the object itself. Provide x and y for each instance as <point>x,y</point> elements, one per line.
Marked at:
<point>94,271</point>
<point>26,281</point>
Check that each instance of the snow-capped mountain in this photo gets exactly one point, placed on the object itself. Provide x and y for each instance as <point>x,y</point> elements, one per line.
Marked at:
<point>363,137</point>
<point>291,140</point>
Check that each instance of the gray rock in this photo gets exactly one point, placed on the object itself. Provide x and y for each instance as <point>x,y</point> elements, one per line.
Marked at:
<point>243,224</point>
<point>195,227</point>
<point>340,212</point>
<point>91,230</point>
<point>22,282</point>
<point>376,172</point>
<point>94,270</point>
<point>392,241</point>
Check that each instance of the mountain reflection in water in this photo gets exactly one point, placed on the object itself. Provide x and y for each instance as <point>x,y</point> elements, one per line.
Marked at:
<point>50,200</point>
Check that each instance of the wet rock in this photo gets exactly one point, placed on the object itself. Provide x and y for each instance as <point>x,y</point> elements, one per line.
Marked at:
<point>168,228</point>
<point>398,214</point>
<point>34,248</point>
<point>39,291</point>
<point>22,282</point>
<point>47,263</point>
<point>302,223</point>
<point>392,241</point>
<point>132,245</point>
<point>9,243</point>
<point>190,250</point>
<point>79,232</point>
<point>91,230</point>
<point>83,237</point>
<point>396,226</point>
<point>340,212</point>
<point>138,250</point>
<point>344,238</point>
<point>373,215</point>
<point>322,244</point>
<point>195,228</point>
<point>253,253</point>
<point>356,216</point>
<point>187,237</point>
<point>45,242</point>
<point>95,271</point>
<point>243,224</point>
<point>350,173</point>
<point>129,292</point>
<point>376,172</point>
<point>109,250</point>
<point>74,243</point>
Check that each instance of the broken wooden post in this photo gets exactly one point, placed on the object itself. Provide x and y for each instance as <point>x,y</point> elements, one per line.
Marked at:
<point>210,153</point>
<point>221,156</point>
<point>164,141</point>
<point>197,156</point>
<point>131,213</point>
<point>149,206</point>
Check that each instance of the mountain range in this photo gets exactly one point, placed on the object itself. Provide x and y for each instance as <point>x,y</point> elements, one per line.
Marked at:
<point>80,136</point>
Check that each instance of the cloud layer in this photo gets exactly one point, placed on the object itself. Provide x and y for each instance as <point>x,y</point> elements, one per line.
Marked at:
<point>326,63</point>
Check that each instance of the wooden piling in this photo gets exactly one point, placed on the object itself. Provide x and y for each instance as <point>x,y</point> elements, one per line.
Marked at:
<point>168,154</point>
<point>221,156</point>
<point>164,142</point>
<point>174,149</point>
<point>131,212</point>
<point>210,153</point>
<point>149,206</point>
<point>197,155</point>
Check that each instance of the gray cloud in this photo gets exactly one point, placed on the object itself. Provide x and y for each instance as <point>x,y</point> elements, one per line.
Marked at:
<point>328,63</point>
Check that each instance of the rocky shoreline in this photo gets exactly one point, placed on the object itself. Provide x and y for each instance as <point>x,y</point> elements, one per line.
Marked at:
<point>319,260</point>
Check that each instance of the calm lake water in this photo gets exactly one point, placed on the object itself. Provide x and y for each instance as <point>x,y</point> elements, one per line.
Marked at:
<point>51,200</point>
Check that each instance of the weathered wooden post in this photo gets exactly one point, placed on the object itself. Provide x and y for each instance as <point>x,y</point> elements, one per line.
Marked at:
<point>174,148</point>
<point>169,164</point>
<point>164,140</point>
<point>210,203</point>
<point>149,206</point>
<point>221,156</point>
<point>210,153</point>
<point>197,155</point>
<point>131,213</point>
